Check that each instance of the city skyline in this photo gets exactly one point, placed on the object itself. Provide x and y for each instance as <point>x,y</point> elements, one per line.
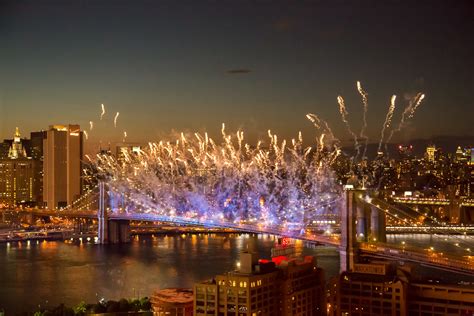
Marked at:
<point>172,66</point>
<point>239,157</point>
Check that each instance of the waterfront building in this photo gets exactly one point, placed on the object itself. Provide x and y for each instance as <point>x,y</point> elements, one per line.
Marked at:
<point>281,286</point>
<point>63,151</point>
<point>370,289</point>
<point>438,299</point>
<point>172,302</point>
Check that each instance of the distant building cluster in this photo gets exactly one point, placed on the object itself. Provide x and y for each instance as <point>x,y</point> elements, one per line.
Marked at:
<point>48,169</point>
<point>43,171</point>
<point>435,175</point>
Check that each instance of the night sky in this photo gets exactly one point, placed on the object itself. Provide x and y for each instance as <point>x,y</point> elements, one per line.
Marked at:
<point>191,65</point>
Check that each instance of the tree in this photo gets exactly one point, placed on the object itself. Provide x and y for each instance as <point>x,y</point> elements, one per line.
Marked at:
<point>80,309</point>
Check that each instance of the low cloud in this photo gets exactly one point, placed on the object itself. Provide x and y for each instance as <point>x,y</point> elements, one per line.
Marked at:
<point>238,71</point>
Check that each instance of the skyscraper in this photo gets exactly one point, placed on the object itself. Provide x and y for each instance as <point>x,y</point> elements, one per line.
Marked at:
<point>36,153</point>
<point>17,175</point>
<point>63,150</point>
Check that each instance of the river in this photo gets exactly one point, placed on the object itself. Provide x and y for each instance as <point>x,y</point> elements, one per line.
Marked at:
<point>54,272</point>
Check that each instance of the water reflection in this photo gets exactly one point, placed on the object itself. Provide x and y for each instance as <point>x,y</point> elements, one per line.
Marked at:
<point>70,272</point>
<point>60,272</point>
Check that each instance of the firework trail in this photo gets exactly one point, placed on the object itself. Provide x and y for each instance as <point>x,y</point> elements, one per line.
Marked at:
<point>388,120</point>
<point>232,181</point>
<point>408,113</point>
<point>86,135</point>
<point>115,119</point>
<point>417,104</point>
<point>344,113</point>
<point>103,111</point>
<point>91,125</point>
<point>365,103</point>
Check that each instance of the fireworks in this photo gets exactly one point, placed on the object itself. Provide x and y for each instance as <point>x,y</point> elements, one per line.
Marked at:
<point>115,119</point>
<point>344,113</point>
<point>408,113</point>
<point>196,177</point>
<point>103,112</point>
<point>388,120</point>
<point>365,103</point>
<point>274,183</point>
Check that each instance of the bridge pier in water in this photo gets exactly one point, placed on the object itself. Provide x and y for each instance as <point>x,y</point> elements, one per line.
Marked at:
<point>110,231</point>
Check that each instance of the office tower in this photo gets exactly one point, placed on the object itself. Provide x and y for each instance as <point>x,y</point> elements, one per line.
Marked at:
<point>17,175</point>
<point>431,153</point>
<point>172,302</point>
<point>62,149</point>
<point>36,153</point>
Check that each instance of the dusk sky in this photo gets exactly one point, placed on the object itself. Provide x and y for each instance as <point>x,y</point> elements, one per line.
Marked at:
<point>191,65</point>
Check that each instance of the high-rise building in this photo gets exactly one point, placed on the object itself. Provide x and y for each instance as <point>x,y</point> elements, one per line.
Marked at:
<point>283,286</point>
<point>431,153</point>
<point>63,151</point>
<point>36,153</point>
<point>17,175</point>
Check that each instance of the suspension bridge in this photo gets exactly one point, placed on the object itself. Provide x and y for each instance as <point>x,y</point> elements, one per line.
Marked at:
<point>362,220</point>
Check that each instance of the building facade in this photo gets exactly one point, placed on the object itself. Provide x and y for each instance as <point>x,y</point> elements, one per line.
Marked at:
<point>369,290</point>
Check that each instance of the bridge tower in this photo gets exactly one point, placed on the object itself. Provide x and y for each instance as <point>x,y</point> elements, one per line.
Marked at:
<point>360,222</point>
<point>102,216</point>
<point>110,231</point>
<point>348,231</point>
